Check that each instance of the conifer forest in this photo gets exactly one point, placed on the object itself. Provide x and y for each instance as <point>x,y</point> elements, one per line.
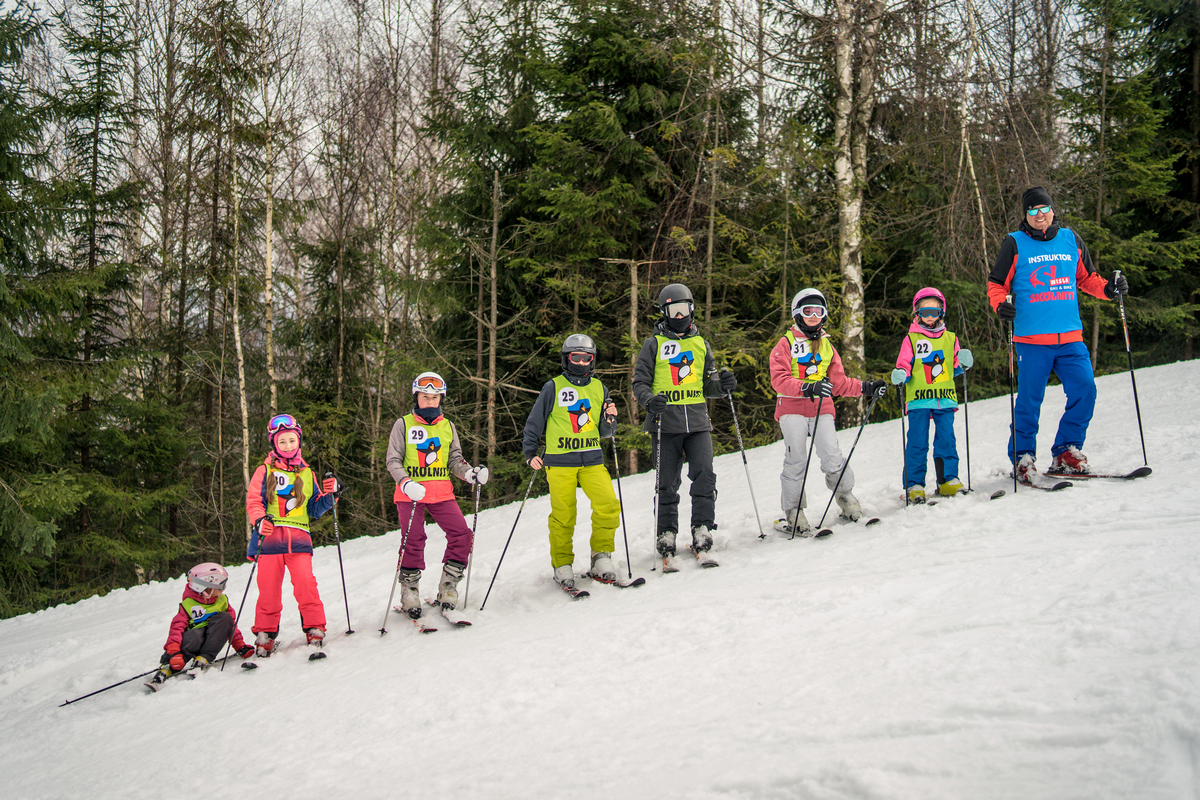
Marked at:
<point>212,211</point>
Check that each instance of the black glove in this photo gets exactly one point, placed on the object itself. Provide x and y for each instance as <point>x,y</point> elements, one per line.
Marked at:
<point>1006,311</point>
<point>821,388</point>
<point>728,381</point>
<point>657,404</point>
<point>874,388</point>
<point>1116,285</point>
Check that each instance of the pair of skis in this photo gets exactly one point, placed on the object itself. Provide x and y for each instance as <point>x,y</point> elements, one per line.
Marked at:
<point>423,625</point>
<point>577,593</point>
<point>1048,483</point>
<point>704,557</point>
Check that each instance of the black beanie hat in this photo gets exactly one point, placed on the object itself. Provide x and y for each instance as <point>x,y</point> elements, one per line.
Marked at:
<point>1034,197</point>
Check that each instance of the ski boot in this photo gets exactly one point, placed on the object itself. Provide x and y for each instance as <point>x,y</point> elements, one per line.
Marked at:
<point>1026,470</point>
<point>701,539</point>
<point>951,487</point>
<point>201,663</point>
<point>602,566</point>
<point>410,591</point>
<point>1071,462</point>
<point>916,495</point>
<point>666,543</point>
<point>565,576</point>
<point>848,503</point>
<point>264,643</point>
<point>315,636</point>
<point>452,572</point>
<point>795,518</point>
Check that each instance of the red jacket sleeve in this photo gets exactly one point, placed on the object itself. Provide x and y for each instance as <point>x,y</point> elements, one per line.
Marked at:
<point>781,370</point>
<point>255,510</point>
<point>1090,282</point>
<point>179,624</point>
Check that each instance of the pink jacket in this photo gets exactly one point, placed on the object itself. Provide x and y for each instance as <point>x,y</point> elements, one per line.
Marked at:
<point>788,389</point>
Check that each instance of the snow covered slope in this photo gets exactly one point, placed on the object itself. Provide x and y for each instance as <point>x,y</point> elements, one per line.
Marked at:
<point>1036,646</point>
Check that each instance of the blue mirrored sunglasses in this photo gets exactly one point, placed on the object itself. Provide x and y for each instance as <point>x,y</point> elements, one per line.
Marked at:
<point>1033,212</point>
<point>929,313</point>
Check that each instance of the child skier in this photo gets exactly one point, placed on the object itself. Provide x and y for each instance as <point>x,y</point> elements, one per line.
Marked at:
<point>202,626</point>
<point>283,498</point>
<point>423,451</point>
<point>807,372</point>
<point>930,394</point>
<point>565,412</point>
<point>674,375</point>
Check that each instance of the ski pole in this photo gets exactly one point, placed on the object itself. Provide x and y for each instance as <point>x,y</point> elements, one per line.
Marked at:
<point>903,443</point>
<point>657,484</point>
<point>400,560</point>
<point>341,568</point>
<point>846,463</point>
<point>746,465</point>
<point>1129,352</point>
<point>474,525</point>
<point>253,566</point>
<point>807,463</point>
<point>488,594</point>
<point>967,427</point>
<point>1012,414</point>
<point>620,498</point>
<point>106,688</point>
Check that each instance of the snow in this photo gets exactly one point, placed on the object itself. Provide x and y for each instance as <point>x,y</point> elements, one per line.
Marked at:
<point>1036,646</point>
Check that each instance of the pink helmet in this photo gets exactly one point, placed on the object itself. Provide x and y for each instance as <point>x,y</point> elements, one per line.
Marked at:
<point>207,576</point>
<point>929,291</point>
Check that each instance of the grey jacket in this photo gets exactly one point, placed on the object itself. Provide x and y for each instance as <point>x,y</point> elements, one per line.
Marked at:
<point>690,418</point>
<point>535,427</point>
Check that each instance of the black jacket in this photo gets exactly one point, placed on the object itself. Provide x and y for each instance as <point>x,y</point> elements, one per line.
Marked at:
<point>690,418</point>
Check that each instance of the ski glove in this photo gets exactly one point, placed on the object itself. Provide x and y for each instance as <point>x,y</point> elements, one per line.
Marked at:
<point>899,376</point>
<point>414,490</point>
<point>821,388</point>
<point>246,651</point>
<point>261,530</point>
<point>1006,311</point>
<point>177,661</point>
<point>657,404</point>
<point>1115,286</point>
<point>728,381</point>
<point>332,485</point>
<point>874,388</point>
<point>966,359</point>
<point>477,475</point>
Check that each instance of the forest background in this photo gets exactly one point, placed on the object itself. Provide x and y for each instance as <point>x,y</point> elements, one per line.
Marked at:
<point>215,210</point>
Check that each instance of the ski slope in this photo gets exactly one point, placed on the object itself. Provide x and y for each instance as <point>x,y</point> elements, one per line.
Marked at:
<point>1036,646</point>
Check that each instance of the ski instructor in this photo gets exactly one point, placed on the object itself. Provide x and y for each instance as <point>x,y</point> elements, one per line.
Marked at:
<point>1043,267</point>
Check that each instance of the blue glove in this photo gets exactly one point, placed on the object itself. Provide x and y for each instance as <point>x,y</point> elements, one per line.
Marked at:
<point>899,376</point>
<point>965,359</point>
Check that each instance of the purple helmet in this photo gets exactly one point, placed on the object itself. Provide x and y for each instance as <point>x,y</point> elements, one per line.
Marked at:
<point>929,291</point>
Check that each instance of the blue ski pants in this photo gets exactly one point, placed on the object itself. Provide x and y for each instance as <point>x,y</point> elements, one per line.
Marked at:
<point>945,448</point>
<point>1073,366</point>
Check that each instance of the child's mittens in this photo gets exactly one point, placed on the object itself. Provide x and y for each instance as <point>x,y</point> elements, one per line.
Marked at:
<point>176,660</point>
<point>331,485</point>
<point>899,376</point>
<point>966,359</point>
<point>477,475</point>
<point>245,651</point>
<point>874,388</point>
<point>413,489</point>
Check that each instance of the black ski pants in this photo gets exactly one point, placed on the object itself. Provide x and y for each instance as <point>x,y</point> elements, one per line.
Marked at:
<point>207,641</point>
<point>696,448</point>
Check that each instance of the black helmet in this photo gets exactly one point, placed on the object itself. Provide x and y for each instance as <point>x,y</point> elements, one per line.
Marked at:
<point>677,293</point>
<point>578,343</point>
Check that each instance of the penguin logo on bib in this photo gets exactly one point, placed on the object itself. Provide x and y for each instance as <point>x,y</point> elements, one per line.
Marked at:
<point>429,453</point>
<point>581,416</point>
<point>288,491</point>
<point>681,368</point>
<point>935,367</point>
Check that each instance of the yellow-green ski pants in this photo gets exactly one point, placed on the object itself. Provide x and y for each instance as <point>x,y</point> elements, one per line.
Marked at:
<point>606,510</point>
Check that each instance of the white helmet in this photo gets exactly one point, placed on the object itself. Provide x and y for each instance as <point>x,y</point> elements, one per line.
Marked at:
<point>207,576</point>
<point>429,383</point>
<point>809,297</point>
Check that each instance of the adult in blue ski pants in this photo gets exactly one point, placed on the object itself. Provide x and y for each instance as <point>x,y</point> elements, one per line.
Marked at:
<point>1073,366</point>
<point>945,449</point>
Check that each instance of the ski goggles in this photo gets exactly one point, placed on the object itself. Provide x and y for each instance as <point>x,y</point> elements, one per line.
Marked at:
<point>682,308</point>
<point>1033,212</point>
<point>281,422</point>
<point>812,311</point>
<point>430,383</point>
<point>929,313</point>
<point>580,358</point>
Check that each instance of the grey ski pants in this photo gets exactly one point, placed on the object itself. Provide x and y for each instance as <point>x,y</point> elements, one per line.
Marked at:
<point>796,430</point>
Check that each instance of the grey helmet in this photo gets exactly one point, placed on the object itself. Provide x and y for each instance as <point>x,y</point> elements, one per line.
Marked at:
<point>677,293</point>
<point>809,297</point>
<point>578,343</point>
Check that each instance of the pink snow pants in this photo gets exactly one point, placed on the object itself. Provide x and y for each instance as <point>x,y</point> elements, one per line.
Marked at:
<point>270,591</point>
